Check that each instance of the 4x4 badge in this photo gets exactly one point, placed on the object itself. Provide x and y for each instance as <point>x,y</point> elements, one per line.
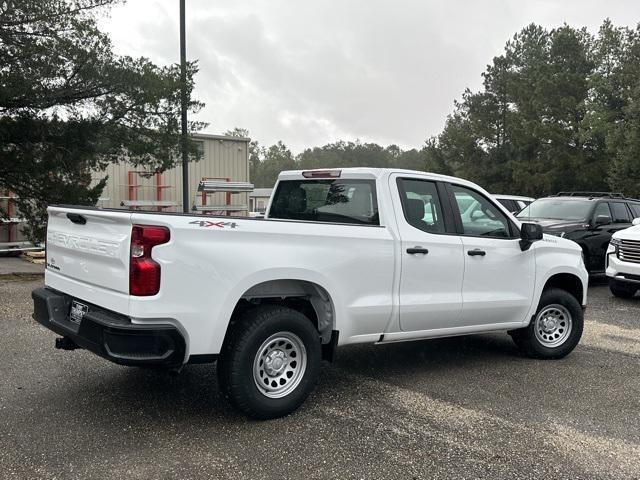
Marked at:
<point>208,223</point>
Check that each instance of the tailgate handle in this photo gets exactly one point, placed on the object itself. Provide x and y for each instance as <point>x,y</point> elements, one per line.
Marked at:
<point>76,218</point>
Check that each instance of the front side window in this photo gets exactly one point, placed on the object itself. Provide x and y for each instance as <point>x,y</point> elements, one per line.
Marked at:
<point>326,200</point>
<point>602,210</point>
<point>421,205</point>
<point>479,217</point>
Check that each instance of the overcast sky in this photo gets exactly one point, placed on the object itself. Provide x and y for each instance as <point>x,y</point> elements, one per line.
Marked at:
<point>312,72</point>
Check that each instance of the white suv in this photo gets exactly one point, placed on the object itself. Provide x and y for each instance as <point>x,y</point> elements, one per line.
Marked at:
<point>623,261</point>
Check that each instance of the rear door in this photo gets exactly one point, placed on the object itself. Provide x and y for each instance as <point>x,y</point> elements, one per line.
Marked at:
<point>499,278</point>
<point>432,262</point>
<point>88,247</point>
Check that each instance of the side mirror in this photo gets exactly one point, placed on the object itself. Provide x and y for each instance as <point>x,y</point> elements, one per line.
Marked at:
<point>636,221</point>
<point>602,220</point>
<point>529,233</point>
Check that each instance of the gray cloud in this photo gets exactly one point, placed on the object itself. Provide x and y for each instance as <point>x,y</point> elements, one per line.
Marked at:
<point>312,72</point>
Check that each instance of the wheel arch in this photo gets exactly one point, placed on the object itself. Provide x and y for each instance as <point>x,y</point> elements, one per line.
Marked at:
<point>305,296</point>
<point>566,281</point>
<point>294,283</point>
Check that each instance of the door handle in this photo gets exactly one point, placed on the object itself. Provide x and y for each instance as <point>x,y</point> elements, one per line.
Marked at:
<point>417,250</point>
<point>476,252</point>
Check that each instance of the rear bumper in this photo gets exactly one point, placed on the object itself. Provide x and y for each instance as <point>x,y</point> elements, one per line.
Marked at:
<point>109,334</point>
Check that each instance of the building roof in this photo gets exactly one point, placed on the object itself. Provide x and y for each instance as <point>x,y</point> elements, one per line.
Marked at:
<point>210,136</point>
<point>261,192</point>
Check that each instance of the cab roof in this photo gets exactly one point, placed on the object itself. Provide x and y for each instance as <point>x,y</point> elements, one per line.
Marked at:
<point>370,172</point>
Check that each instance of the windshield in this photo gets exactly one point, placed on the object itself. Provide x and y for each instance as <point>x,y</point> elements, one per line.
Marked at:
<point>557,209</point>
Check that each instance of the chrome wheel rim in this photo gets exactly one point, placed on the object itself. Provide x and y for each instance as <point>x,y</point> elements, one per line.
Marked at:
<point>279,365</point>
<point>553,325</point>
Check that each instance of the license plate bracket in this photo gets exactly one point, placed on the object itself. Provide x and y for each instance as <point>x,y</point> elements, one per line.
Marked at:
<point>78,311</point>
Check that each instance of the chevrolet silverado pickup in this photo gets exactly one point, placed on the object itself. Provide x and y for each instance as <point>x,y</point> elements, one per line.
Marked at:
<point>357,255</point>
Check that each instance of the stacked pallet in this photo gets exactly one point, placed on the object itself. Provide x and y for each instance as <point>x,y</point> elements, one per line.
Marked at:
<point>35,257</point>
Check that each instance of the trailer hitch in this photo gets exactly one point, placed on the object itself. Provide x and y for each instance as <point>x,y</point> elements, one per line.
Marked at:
<point>65,343</point>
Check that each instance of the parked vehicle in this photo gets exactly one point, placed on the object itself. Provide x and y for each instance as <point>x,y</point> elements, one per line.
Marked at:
<point>587,218</point>
<point>513,203</point>
<point>622,261</point>
<point>358,255</point>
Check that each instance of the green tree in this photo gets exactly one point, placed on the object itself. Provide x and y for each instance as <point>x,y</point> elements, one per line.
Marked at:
<point>275,159</point>
<point>530,129</point>
<point>69,105</point>
<point>254,152</point>
<point>615,108</point>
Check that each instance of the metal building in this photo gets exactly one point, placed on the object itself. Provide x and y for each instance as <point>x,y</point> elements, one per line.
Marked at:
<point>224,158</point>
<point>11,237</point>
<point>259,199</point>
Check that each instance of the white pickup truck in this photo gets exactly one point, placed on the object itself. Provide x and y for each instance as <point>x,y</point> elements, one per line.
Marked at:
<point>358,255</point>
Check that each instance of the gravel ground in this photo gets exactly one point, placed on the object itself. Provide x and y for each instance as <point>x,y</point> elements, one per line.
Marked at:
<point>466,407</point>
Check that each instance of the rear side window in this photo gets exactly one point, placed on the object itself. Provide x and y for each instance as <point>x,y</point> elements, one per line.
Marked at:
<point>619,212</point>
<point>421,205</point>
<point>326,200</point>
<point>635,209</point>
<point>602,209</point>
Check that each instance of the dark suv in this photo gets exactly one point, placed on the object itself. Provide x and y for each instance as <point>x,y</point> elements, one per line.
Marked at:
<point>587,218</point>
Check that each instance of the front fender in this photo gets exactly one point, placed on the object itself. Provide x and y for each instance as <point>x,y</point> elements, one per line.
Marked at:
<point>553,257</point>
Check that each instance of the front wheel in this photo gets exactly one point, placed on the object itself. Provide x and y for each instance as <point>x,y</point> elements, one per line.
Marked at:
<point>556,328</point>
<point>622,290</point>
<point>270,362</point>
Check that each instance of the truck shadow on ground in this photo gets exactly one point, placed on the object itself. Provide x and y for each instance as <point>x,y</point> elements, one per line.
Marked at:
<point>141,396</point>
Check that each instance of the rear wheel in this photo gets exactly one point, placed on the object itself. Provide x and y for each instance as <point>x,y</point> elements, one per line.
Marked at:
<point>621,289</point>
<point>270,362</point>
<point>556,328</point>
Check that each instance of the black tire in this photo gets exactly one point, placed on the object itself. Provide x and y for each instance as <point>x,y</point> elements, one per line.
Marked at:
<point>621,289</point>
<point>239,352</point>
<point>530,342</point>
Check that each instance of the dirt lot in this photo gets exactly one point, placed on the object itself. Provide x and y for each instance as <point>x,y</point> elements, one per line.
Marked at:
<point>468,407</point>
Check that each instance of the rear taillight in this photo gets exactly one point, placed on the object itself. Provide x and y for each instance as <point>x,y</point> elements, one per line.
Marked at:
<point>144,272</point>
<point>46,243</point>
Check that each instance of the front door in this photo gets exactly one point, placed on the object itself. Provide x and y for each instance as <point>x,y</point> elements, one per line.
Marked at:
<point>499,278</point>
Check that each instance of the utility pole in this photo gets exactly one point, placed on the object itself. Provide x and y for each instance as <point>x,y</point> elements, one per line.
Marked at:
<point>183,107</point>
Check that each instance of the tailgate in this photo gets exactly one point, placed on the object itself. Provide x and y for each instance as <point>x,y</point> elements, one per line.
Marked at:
<point>90,246</point>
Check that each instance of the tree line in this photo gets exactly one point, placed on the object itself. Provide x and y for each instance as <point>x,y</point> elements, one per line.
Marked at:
<point>70,106</point>
<point>265,163</point>
<point>558,110</point>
